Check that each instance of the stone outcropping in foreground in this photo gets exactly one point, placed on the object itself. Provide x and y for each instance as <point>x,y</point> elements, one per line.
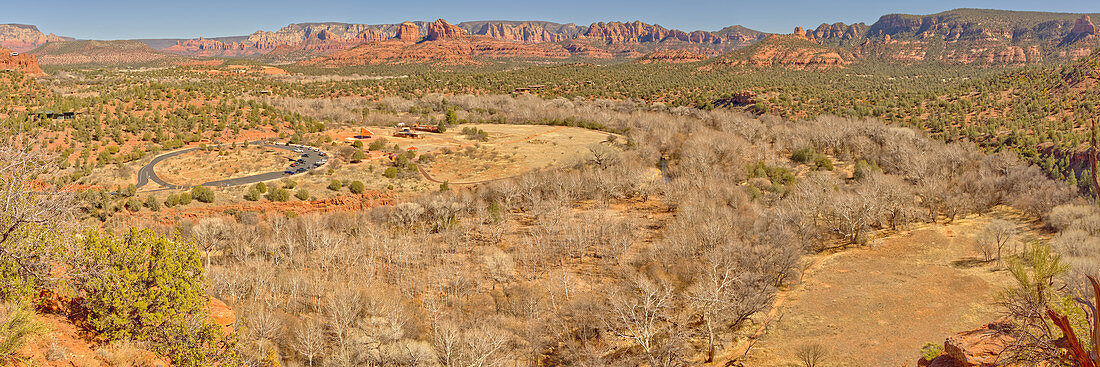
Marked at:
<point>980,347</point>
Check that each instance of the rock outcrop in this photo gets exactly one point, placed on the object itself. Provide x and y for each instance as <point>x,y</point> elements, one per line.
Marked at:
<point>222,314</point>
<point>623,33</point>
<point>370,35</point>
<point>1082,28</point>
<point>11,60</point>
<point>407,32</point>
<point>440,29</point>
<point>980,347</point>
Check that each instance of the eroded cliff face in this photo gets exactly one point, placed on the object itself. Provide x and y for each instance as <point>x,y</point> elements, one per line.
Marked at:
<point>527,32</point>
<point>638,32</point>
<point>407,31</point>
<point>440,29</point>
<point>619,39</point>
<point>24,37</point>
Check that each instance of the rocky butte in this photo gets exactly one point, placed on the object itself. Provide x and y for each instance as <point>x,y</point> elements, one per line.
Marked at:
<point>11,60</point>
<point>407,32</point>
<point>440,29</point>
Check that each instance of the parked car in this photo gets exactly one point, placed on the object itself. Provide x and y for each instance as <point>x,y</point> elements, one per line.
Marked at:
<point>298,150</point>
<point>288,172</point>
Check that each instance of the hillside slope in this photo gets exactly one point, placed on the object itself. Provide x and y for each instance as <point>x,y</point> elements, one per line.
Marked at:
<point>118,53</point>
<point>787,51</point>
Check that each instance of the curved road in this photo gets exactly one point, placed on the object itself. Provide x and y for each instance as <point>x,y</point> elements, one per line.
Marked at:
<point>146,173</point>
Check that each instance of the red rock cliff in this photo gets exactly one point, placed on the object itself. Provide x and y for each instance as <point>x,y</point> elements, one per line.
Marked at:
<point>24,63</point>
<point>440,29</point>
<point>407,32</point>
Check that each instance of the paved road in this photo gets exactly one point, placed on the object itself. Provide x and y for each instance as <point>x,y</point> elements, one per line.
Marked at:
<point>146,173</point>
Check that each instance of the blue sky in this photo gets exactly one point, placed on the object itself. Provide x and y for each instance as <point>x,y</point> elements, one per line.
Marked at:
<point>126,19</point>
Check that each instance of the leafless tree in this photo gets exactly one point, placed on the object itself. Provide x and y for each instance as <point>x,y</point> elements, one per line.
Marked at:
<point>603,155</point>
<point>640,311</point>
<point>998,234</point>
<point>811,355</point>
<point>309,340</point>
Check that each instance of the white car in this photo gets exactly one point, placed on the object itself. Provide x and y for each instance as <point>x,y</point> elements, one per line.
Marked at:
<point>298,150</point>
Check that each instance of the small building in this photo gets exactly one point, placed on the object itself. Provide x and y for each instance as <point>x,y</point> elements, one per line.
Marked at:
<point>406,133</point>
<point>56,115</point>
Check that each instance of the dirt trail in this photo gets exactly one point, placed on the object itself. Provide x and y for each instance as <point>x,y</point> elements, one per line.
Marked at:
<point>877,306</point>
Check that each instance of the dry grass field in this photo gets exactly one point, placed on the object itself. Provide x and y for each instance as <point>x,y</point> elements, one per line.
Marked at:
<point>201,166</point>
<point>877,306</point>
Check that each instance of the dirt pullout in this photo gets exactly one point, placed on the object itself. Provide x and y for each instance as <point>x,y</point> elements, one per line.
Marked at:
<point>877,306</point>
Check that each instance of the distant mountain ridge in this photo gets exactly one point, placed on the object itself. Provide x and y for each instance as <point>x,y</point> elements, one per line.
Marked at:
<point>967,36</point>
<point>960,36</point>
<point>332,36</point>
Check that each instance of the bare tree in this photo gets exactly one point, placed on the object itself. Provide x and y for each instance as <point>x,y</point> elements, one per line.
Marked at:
<point>640,312</point>
<point>812,355</point>
<point>998,234</point>
<point>603,155</point>
<point>309,340</point>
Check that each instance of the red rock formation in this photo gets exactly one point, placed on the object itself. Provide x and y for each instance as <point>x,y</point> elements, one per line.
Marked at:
<point>222,314</point>
<point>799,32</point>
<point>1082,28</point>
<point>623,33</point>
<point>440,29</point>
<point>526,33</point>
<point>464,50</point>
<point>207,47</point>
<point>24,63</point>
<point>370,35</point>
<point>408,32</point>
<point>23,37</point>
<point>326,35</point>
<point>980,347</point>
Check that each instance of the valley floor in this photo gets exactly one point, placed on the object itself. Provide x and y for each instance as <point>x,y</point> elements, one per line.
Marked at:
<point>876,306</point>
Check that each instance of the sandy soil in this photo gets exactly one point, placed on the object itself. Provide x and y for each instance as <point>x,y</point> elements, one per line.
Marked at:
<point>509,151</point>
<point>877,306</point>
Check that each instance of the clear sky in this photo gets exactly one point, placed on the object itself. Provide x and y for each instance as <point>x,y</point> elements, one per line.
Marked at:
<point>127,19</point>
